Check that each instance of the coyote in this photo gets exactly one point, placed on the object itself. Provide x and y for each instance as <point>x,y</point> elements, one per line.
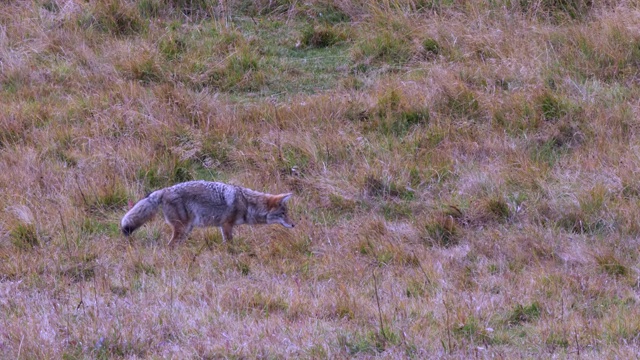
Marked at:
<point>206,203</point>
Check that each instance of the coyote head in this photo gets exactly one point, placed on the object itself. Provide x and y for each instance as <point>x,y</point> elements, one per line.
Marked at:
<point>277,214</point>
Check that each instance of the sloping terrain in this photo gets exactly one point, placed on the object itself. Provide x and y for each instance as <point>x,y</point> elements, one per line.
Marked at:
<point>465,177</point>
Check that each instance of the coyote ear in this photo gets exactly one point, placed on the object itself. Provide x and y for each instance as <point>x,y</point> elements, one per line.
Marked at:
<point>273,201</point>
<point>286,197</point>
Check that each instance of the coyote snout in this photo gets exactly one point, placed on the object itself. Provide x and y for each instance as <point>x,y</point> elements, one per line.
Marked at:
<point>204,203</point>
<point>284,221</point>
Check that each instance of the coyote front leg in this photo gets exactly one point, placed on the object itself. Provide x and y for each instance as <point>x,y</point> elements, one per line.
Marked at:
<point>226,230</point>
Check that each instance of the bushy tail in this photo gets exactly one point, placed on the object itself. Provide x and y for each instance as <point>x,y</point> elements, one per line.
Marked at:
<point>141,212</point>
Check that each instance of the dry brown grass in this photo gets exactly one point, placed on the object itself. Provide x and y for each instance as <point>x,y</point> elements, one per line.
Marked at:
<point>464,175</point>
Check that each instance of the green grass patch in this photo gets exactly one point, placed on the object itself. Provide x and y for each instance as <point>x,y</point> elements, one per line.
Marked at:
<point>116,17</point>
<point>195,10</point>
<point>111,198</point>
<point>293,156</point>
<point>24,236</point>
<point>558,10</point>
<point>267,304</point>
<point>442,230</point>
<point>321,36</point>
<point>242,71</point>
<point>550,107</point>
<point>416,288</point>
<point>50,5</point>
<point>524,314</point>
<point>150,8</point>
<point>471,329</point>
<point>556,340</point>
<point>399,121</point>
<point>517,116</point>
<point>498,209</point>
<point>260,58</point>
<point>431,48</point>
<point>143,268</point>
<point>578,222</point>
<point>173,170</point>
<point>611,265</point>
<point>144,68</point>
<point>114,346</point>
<point>460,102</point>
<point>82,267</point>
<point>328,13</point>
<point>547,153</point>
<point>370,343</point>
<point>172,46</point>
<point>395,210</point>
<point>384,47</point>
<point>341,204</point>
<point>378,187</point>
<point>93,226</point>
<point>261,7</point>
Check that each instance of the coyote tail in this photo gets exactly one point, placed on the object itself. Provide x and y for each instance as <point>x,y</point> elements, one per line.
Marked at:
<point>141,212</point>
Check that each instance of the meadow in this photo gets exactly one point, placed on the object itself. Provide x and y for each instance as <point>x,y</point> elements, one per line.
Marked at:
<point>465,178</point>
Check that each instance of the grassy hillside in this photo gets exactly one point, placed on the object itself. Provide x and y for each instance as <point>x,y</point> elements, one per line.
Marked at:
<point>465,178</point>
